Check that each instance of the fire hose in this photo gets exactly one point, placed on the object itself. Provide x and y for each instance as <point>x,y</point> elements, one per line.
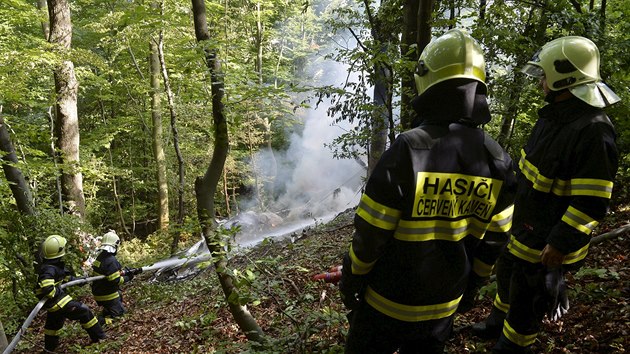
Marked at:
<point>81,281</point>
<point>332,276</point>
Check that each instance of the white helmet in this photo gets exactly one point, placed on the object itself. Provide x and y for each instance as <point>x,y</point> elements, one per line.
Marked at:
<point>572,63</point>
<point>110,242</point>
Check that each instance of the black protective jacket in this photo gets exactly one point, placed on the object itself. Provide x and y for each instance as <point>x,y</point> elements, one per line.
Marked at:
<point>51,274</point>
<point>565,180</point>
<point>108,288</point>
<point>437,206</point>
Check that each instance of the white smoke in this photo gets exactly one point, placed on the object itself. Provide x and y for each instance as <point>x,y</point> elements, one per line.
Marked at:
<point>311,184</point>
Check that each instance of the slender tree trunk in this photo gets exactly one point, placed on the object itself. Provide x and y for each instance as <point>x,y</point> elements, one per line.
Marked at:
<point>18,184</point>
<point>206,186</point>
<point>158,148</point>
<point>382,92</point>
<point>119,209</point>
<point>3,339</point>
<point>534,29</point>
<point>67,120</point>
<point>42,6</point>
<point>409,52</point>
<point>178,152</point>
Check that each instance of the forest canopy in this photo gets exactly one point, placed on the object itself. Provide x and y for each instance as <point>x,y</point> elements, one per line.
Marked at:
<point>108,111</point>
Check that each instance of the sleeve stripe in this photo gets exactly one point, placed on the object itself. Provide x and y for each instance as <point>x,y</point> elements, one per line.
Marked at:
<point>377,214</point>
<point>502,222</point>
<point>579,220</point>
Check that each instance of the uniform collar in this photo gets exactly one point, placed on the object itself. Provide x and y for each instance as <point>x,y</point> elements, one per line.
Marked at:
<point>565,111</point>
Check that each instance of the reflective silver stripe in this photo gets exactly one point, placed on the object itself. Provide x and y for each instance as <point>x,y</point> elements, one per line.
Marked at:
<point>522,340</point>
<point>428,230</point>
<point>523,252</point>
<point>576,186</point>
<point>502,222</point>
<point>409,313</point>
<point>377,214</point>
<point>358,266</point>
<point>579,220</point>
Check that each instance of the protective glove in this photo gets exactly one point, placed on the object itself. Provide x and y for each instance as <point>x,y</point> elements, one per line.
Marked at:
<point>127,275</point>
<point>467,302</point>
<point>556,290</point>
<point>351,286</point>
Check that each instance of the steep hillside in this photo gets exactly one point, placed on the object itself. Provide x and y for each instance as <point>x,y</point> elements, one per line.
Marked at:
<point>304,316</point>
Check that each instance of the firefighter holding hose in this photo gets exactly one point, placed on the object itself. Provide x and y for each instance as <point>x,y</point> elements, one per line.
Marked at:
<point>106,291</point>
<point>59,305</point>
<point>435,214</point>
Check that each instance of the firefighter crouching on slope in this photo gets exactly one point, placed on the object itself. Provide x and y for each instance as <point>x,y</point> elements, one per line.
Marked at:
<point>106,291</point>
<point>565,180</point>
<point>60,305</point>
<point>435,213</point>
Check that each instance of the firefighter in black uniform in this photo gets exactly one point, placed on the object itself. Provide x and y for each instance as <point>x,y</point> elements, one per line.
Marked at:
<point>435,213</point>
<point>106,291</point>
<point>565,179</point>
<point>60,305</point>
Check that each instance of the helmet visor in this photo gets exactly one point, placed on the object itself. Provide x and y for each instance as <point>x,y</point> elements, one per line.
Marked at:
<point>533,70</point>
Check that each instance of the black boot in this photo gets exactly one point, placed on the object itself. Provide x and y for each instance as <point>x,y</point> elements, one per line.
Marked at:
<point>50,343</point>
<point>96,333</point>
<point>486,331</point>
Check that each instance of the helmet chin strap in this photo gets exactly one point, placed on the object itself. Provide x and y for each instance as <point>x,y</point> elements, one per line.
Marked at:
<point>109,248</point>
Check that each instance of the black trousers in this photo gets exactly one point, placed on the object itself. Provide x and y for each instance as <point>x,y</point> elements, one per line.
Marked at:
<point>522,283</point>
<point>112,308</point>
<point>76,311</point>
<point>372,332</point>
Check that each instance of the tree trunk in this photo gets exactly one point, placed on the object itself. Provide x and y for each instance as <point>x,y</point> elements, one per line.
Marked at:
<point>158,148</point>
<point>206,186</point>
<point>43,7</point>
<point>381,112</point>
<point>535,29</point>
<point>409,52</point>
<point>425,17</point>
<point>18,184</point>
<point>178,152</point>
<point>3,339</point>
<point>67,120</point>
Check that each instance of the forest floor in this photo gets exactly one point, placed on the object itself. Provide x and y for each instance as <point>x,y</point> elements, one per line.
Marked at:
<point>301,315</point>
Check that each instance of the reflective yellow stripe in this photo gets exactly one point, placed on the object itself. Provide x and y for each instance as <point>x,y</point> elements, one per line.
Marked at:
<point>428,230</point>
<point>358,266</point>
<point>522,340</point>
<point>90,323</point>
<point>377,214</point>
<point>577,186</point>
<point>583,186</point>
<point>46,282</point>
<point>96,264</point>
<point>502,222</point>
<point>60,304</point>
<point>576,256</point>
<point>52,332</point>
<point>540,182</point>
<point>533,255</point>
<point>579,220</point>
<point>108,297</point>
<point>482,269</point>
<point>500,305</point>
<point>113,276</point>
<point>409,313</point>
<point>523,252</point>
